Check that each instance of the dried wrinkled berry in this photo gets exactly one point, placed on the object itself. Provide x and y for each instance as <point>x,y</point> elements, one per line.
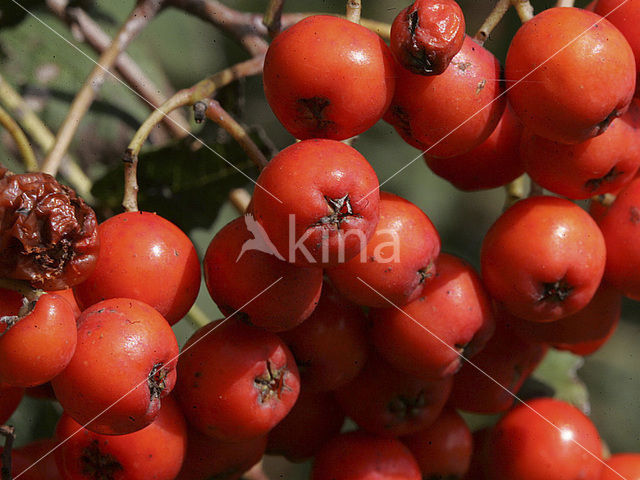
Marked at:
<point>426,35</point>
<point>48,235</point>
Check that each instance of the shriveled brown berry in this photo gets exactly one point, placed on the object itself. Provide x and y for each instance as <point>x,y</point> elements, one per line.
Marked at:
<point>48,234</point>
<point>426,35</point>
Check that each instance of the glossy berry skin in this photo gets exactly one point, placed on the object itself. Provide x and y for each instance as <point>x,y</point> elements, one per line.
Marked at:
<point>361,456</point>
<point>236,278</point>
<point>625,464</point>
<point>524,446</point>
<point>620,226</point>
<point>23,461</point>
<point>570,73</point>
<point>398,260</point>
<point>493,163</point>
<point>426,35</point>
<point>326,194</point>
<point>305,78</point>
<point>582,333</point>
<point>596,166</point>
<point>625,16</point>
<point>543,259</point>
<point>38,346</point>
<point>444,449</point>
<point>508,359</point>
<point>330,347</point>
<point>452,316</point>
<point>156,452</point>
<point>385,401</point>
<point>124,363</point>
<point>147,258</point>
<point>10,398</point>
<point>236,382</point>
<point>313,421</point>
<point>209,458</point>
<point>451,113</point>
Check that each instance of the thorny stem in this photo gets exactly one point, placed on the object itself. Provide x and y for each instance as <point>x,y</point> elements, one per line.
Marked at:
<point>203,89</point>
<point>43,137</point>
<point>354,10</point>
<point>131,73</point>
<point>9,434</point>
<point>240,199</point>
<point>515,191</point>
<point>141,15</point>
<point>492,21</point>
<point>524,9</point>
<point>22,142</point>
<point>216,113</point>
<point>273,17</point>
<point>565,3</point>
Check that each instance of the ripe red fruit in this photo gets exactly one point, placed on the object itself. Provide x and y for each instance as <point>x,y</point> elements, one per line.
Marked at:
<point>10,398</point>
<point>236,382</point>
<point>620,226</point>
<point>544,439</point>
<point>385,401</point>
<point>451,113</point>
<point>209,458</point>
<point>570,73</point>
<point>360,456</point>
<point>599,165</point>
<point>493,163</point>
<point>123,366</point>
<point>69,296</point>
<point>442,450</point>
<point>157,451</point>
<point>398,260</point>
<point>543,259</point>
<point>37,342</point>
<point>236,279</point>
<point>626,465</point>
<point>330,347</point>
<point>302,72</point>
<point>35,461</point>
<point>313,420</point>
<point>452,317</point>
<point>426,35</point>
<point>147,258</point>
<point>317,201</point>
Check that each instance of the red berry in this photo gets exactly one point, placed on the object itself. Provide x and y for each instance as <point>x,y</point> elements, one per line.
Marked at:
<point>10,398</point>
<point>147,258</point>
<point>570,73</point>
<point>123,366</point>
<point>426,35</point>
<point>326,77</point>
<point>626,465</point>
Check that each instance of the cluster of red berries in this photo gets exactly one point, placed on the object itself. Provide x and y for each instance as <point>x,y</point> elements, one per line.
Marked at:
<point>297,352</point>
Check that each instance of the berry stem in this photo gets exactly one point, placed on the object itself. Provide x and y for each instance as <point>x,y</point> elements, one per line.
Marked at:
<point>215,112</point>
<point>9,435</point>
<point>22,142</point>
<point>565,3</point>
<point>492,21</point>
<point>606,199</point>
<point>240,199</point>
<point>515,191</point>
<point>273,17</point>
<point>139,18</point>
<point>354,10</point>
<point>524,9</point>
<point>197,317</point>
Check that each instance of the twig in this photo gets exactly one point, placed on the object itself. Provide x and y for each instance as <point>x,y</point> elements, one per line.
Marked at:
<point>381,28</point>
<point>141,15</point>
<point>126,66</point>
<point>22,142</point>
<point>354,10</point>
<point>240,199</point>
<point>203,89</point>
<point>216,113</point>
<point>524,9</point>
<point>197,317</point>
<point>605,199</point>
<point>515,191</point>
<point>273,17</point>
<point>44,138</point>
<point>565,3</point>
<point>9,434</point>
<point>492,21</point>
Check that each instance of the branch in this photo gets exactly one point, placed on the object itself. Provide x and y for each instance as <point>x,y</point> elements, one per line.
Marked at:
<point>524,9</point>
<point>273,17</point>
<point>187,97</point>
<point>43,137</point>
<point>141,15</point>
<point>22,142</point>
<point>240,199</point>
<point>492,21</point>
<point>126,66</point>
<point>215,112</point>
<point>354,10</point>
<point>9,434</point>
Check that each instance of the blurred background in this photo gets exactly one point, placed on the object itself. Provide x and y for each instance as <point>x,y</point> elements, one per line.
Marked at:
<point>189,186</point>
